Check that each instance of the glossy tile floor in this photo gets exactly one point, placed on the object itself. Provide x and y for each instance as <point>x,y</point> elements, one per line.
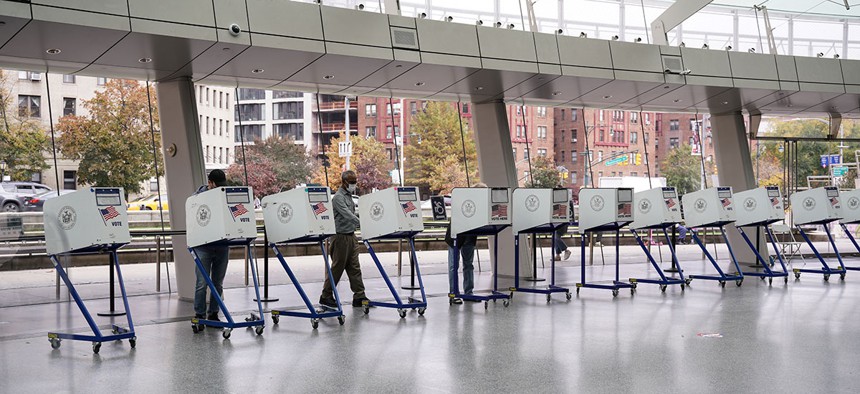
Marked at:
<point>799,337</point>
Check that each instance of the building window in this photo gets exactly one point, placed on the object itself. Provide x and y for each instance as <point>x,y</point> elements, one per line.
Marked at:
<point>30,106</point>
<point>227,128</point>
<point>390,154</point>
<point>101,81</point>
<point>390,132</point>
<point>562,114</point>
<point>561,158</point>
<point>647,118</point>
<point>573,136</point>
<point>525,153</point>
<point>634,173</point>
<point>599,155</point>
<point>370,131</point>
<point>573,113</point>
<point>207,96</point>
<point>573,177</point>
<point>296,131</point>
<point>68,78</point>
<point>221,127</point>
<point>69,105</point>
<point>634,117</point>
<point>370,109</point>
<point>515,153</point>
<point>634,137</point>
<point>600,116</point>
<point>227,154</point>
<point>674,125</point>
<point>541,112</point>
<point>283,94</point>
<point>600,174</point>
<point>645,137</point>
<point>251,132</point>
<point>413,108</point>
<point>288,110</point>
<point>574,156</point>
<point>541,152</point>
<point>465,108</point>
<point>396,108</point>
<point>250,112</point>
<point>70,180</point>
<point>673,142</point>
<point>541,132</point>
<point>602,136</point>
<point>248,94</point>
<point>207,125</point>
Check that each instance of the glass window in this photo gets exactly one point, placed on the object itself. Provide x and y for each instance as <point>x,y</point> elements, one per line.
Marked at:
<point>101,81</point>
<point>413,108</point>
<point>573,136</point>
<point>525,153</point>
<point>561,158</point>
<point>574,156</point>
<point>634,117</point>
<point>541,152</point>
<point>68,78</point>
<point>207,125</point>
<point>250,112</point>
<point>673,142</point>
<point>251,132</point>
<point>396,108</point>
<point>573,177</point>
<point>70,179</point>
<point>634,137</point>
<point>283,94</point>
<point>69,105</point>
<point>370,131</point>
<point>465,108</point>
<point>288,110</point>
<point>251,94</point>
<point>30,106</point>
<point>674,125</point>
<point>370,109</point>
<point>573,113</point>
<point>541,132</point>
<point>296,131</point>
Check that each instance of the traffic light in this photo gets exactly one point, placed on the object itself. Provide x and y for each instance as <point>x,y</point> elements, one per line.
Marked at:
<point>638,159</point>
<point>323,158</point>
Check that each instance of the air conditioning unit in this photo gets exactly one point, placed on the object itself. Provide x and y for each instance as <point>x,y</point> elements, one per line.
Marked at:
<point>35,76</point>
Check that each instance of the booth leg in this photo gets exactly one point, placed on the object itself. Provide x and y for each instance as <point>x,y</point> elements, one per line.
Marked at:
<point>112,311</point>
<point>266,297</point>
<point>534,277</point>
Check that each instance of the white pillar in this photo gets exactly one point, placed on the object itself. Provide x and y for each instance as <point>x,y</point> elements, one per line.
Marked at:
<point>497,167</point>
<point>184,167</point>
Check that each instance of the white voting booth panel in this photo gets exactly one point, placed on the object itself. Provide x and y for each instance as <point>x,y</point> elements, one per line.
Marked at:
<point>220,214</point>
<point>298,213</point>
<point>88,218</point>
<point>601,207</point>
<point>759,206</point>
<point>813,206</point>
<point>657,207</point>
<point>474,208</point>
<point>709,207</point>
<point>390,211</point>
<point>850,200</point>
<point>539,207</point>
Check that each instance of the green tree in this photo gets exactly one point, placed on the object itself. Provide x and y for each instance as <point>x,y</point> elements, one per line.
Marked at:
<point>23,142</point>
<point>369,161</point>
<point>274,164</point>
<point>544,174</point>
<point>435,139</point>
<point>113,144</point>
<point>682,170</point>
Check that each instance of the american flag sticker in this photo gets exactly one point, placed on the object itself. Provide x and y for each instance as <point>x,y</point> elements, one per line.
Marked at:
<point>238,210</point>
<point>774,201</point>
<point>726,202</point>
<point>670,202</point>
<point>108,213</point>
<point>834,201</point>
<point>408,207</point>
<point>499,211</point>
<point>318,208</point>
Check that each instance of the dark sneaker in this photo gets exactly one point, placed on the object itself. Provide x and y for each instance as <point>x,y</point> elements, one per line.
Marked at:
<point>213,317</point>
<point>328,303</point>
<point>359,302</point>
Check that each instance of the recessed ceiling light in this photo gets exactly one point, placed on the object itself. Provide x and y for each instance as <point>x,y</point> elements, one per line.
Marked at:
<point>479,88</point>
<point>419,83</point>
<point>607,96</point>
<point>398,65</point>
<point>666,87</point>
<point>144,60</point>
<point>257,70</point>
<point>556,93</point>
<point>53,51</point>
<point>676,101</point>
<point>328,77</point>
<point>725,103</point>
<point>225,49</point>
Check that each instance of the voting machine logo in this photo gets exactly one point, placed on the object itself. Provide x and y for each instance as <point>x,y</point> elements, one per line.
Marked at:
<point>808,203</point>
<point>644,206</point>
<point>377,211</point>
<point>750,204</point>
<point>532,203</point>
<point>285,213</point>
<point>67,218</point>
<point>700,205</point>
<point>468,208</point>
<point>597,203</point>
<point>203,215</point>
<point>853,203</point>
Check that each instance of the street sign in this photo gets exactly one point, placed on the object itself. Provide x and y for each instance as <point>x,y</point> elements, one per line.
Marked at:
<point>344,148</point>
<point>827,160</point>
<point>840,171</point>
<point>438,205</point>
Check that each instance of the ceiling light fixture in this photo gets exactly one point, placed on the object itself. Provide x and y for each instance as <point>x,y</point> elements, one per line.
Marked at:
<point>638,39</point>
<point>556,93</point>
<point>751,50</point>
<point>676,101</point>
<point>820,54</point>
<point>479,88</point>
<point>53,51</point>
<point>725,103</point>
<point>836,56</point>
<point>419,83</point>
<point>559,32</point>
<point>144,60</point>
<point>498,24</point>
<point>615,38</point>
<point>328,77</point>
<point>479,22</point>
<point>422,15</point>
<point>608,96</point>
<point>257,70</point>
<point>683,45</point>
<point>449,18</point>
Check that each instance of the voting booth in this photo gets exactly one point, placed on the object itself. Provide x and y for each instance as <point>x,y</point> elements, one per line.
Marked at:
<point>656,208</point>
<point>218,217</point>
<point>302,215</point>
<point>605,208</point>
<point>86,220</point>
<point>850,200</point>
<point>761,206</point>
<point>539,211</point>
<point>479,211</point>
<point>709,207</point>
<point>600,210</point>
<point>393,213</point>
<point>818,206</point>
<point>89,221</point>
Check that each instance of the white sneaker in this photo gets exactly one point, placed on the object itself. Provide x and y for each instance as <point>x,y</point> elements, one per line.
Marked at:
<point>566,254</point>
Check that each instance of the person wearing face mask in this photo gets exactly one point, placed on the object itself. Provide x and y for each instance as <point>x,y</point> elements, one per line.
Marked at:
<point>344,244</point>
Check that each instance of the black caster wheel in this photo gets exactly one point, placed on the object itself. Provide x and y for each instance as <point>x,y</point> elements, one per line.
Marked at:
<point>132,342</point>
<point>486,305</point>
<point>842,276</point>
<point>577,290</point>
<point>114,331</point>
<point>797,275</point>
<point>548,298</point>
<point>511,296</point>
<point>786,280</point>
<point>506,303</point>
<point>683,286</point>
<point>826,277</point>
<point>663,288</point>
<point>226,333</point>
<point>259,330</point>
<point>632,291</point>
<point>634,286</point>
<point>421,311</point>
<point>402,313</point>
<point>195,328</point>
<point>739,282</point>
<point>55,343</point>
<point>568,295</point>
<point>341,320</point>
<point>770,281</point>
<point>366,310</point>
<point>276,319</point>
<point>723,284</point>
<point>615,293</point>
<point>96,347</point>
<point>315,323</point>
<point>688,280</point>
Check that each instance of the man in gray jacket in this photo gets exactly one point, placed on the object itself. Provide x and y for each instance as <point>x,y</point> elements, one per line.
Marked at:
<point>344,244</point>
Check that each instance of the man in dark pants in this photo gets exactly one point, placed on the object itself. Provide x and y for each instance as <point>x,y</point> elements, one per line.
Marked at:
<point>214,259</point>
<point>344,244</point>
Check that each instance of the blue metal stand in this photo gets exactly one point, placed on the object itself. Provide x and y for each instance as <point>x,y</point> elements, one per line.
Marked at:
<point>313,314</point>
<point>414,304</point>
<point>854,242</point>
<point>551,288</point>
<point>664,281</point>
<point>722,278</point>
<point>254,320</point>
<point>617,284</point>
<point>495,294</point>
<point>825,268</point>
<point>97,338</point>
<point>768,273</point>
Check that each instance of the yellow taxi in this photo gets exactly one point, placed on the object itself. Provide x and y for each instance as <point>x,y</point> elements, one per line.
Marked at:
<point>149,203</point>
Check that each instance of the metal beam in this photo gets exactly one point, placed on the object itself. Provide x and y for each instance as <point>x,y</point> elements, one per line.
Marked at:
<point>676,14</point>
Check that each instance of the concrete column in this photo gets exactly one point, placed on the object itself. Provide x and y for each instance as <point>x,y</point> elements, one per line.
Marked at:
<point>184,167</point>
<point>497,167</point>
<point>735,169</point>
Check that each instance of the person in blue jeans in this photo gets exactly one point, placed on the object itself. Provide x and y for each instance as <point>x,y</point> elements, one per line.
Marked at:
<point>214,260</point>
<point>466,244</point>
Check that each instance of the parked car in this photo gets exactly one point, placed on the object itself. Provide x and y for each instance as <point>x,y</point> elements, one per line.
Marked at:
<point>149,203</point>
<point>13,194</point>
<point>37,202</point>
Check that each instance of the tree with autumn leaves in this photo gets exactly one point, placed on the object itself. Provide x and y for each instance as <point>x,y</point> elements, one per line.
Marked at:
<point>273,165</point>
<point>434,155</point>
<point>369,161</point>
<point>23,141</point>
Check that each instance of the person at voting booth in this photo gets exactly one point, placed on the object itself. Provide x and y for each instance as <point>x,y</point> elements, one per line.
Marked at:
<point>214,259</point>
<point>466,244</point>
<point>344,244</point>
